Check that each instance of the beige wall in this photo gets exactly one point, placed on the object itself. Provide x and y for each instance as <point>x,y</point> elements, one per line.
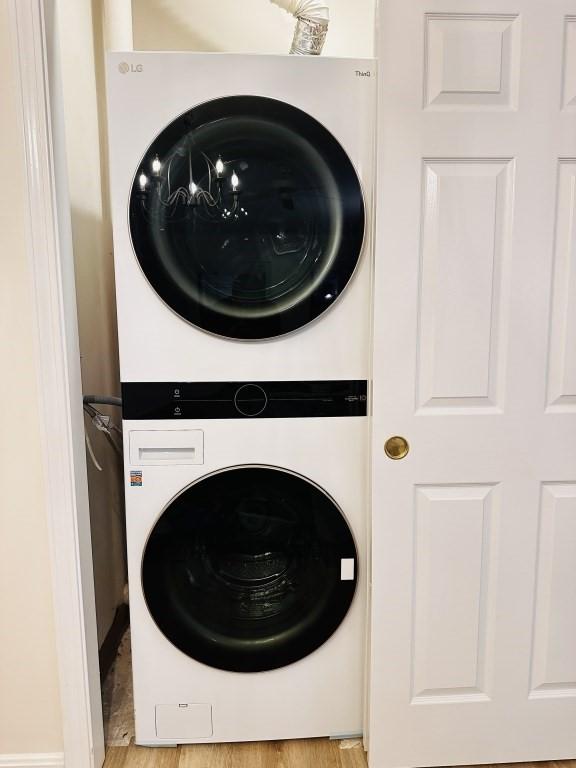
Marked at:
<point>251,26</point>
<point>29,702</point>
<point>83,86</point>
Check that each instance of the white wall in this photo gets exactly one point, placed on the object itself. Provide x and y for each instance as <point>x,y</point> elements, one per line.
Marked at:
<point>251,26</point>
<point>29,699</point>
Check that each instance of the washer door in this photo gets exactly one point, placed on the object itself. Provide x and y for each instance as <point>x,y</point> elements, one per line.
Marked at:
<point>243,570</point>
<point>247,217</point>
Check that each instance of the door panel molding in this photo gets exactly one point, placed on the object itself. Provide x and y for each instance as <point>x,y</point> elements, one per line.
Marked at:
<point>562,355</point>
<point>553,672</point>
<point>450,642</point>
<point>467,216</point>
<point>569,64</point>
<point>471,61</point>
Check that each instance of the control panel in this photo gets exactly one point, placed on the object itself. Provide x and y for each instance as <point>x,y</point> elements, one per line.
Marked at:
<point>243,400</point>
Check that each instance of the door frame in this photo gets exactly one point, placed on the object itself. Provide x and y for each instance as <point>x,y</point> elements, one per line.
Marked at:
<point>59,385</point>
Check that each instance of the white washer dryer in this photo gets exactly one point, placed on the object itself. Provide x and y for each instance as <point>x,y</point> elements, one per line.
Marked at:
<point>241,197</point>
<point>246,559</point>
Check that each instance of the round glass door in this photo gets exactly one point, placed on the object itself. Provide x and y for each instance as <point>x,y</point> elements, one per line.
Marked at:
<point>247,217</point>
<point>242,571</point>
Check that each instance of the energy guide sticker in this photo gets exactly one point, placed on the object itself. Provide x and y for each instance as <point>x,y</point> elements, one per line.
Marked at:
<point>135,478</point>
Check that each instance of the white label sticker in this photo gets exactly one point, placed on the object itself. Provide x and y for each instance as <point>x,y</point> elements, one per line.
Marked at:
<point>347,569</point>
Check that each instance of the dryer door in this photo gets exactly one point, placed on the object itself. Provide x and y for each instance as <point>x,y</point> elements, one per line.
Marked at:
<point>250,569</point>
<point>247,217</point>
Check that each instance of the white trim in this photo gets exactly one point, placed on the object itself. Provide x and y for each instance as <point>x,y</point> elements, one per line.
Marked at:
<point>33,760</point>
<point>59,383</point>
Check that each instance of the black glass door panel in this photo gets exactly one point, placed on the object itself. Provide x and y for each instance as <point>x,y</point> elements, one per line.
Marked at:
<point>243,570</point>
<point>247,217</point>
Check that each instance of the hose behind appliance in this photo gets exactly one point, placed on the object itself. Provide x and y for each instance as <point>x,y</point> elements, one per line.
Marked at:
<point>312,18</point>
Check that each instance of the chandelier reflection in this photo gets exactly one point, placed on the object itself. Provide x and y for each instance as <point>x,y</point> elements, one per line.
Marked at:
<point>216,196</point>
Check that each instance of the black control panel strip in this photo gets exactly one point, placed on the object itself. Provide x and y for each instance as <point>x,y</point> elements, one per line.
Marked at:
<point>243,400</point>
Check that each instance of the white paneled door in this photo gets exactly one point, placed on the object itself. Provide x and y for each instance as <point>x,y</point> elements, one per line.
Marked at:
<point>473,650</point>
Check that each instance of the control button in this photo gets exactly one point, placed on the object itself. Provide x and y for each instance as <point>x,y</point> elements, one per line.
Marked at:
<point>176,393</point>
<point>250,400</point>
<point>177,411</point>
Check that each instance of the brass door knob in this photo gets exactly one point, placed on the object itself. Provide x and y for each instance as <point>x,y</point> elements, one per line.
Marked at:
<point>396,447</point>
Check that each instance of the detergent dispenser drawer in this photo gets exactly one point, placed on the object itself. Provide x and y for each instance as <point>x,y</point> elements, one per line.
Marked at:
<point>166,446</point>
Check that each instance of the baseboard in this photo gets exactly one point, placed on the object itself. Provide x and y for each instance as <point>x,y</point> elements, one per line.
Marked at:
<point>33,760</point>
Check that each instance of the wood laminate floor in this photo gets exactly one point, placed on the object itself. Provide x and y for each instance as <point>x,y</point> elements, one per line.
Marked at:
<point>300,753</point>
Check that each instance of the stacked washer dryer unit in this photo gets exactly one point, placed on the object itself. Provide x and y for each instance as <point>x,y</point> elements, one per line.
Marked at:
<point>241,202</point>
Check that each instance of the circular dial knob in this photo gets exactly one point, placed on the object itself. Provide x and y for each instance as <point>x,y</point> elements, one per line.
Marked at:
<point>250,400</point>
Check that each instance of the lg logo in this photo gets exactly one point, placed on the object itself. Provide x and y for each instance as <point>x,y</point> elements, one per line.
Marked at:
<point>124,67</point>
